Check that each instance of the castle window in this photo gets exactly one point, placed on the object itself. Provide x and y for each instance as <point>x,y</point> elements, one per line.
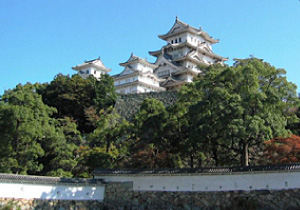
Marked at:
<point>172,41</point>
<point>175,40</point>
<point>180,39</point>
<point>87,71</point>
<point>95,71</point>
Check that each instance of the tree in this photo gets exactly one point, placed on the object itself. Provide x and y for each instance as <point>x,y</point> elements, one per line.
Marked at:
<point>151,144</point>
<point>93,158</point>
<point>282,150</point>
<point>70,96</point>
<point>106,147</point>
<point>60,145</point>
<point>105,93</point>
<point>78,98</point>
<point>208,117</point>
<point>31,141</point>
<point>294,122</point>
<point>23,119</point>
<point>266,98</point>
<point>177,131</point>
<point>241,107</point>
<point>111,130</point>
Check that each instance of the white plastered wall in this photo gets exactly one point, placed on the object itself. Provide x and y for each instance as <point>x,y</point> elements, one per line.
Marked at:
<point>51,191</point>
<point>230,182</point>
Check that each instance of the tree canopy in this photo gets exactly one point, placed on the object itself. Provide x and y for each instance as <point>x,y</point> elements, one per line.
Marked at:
<point>225,117</point>
<point>240,107</point>
<point>78,98</point>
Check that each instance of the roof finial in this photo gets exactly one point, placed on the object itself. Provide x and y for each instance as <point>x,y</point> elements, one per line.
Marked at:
<point>176,17</point>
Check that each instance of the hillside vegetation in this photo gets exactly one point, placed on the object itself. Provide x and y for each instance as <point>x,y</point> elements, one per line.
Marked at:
<point>243,114</point>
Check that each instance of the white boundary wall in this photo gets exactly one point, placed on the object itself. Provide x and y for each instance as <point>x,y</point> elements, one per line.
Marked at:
<point>51,191</point>
<point>206,183</point>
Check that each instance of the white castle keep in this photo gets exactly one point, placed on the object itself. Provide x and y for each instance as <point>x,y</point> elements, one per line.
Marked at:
<point>187,49</point>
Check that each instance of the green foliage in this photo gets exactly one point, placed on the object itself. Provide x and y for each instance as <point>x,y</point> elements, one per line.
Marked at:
<point>177,132</point>
<point>36,138</point>
<point>293,120</point>
<point>106,146</point>
<point>93,158</point>
<point>72,125</point>
<point>59,159</point>
<point>74,97</point>
<point>111,129</point>
<point>10,205</point>
<point>70,96</point>
<point>105,92</point>
<point>240,107</point>
<point>151,147</point>
<point>24,119</point>
<point>31,141</point>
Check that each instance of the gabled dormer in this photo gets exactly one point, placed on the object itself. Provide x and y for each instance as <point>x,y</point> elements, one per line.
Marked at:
<point>139,64</point>
<point>127,70</point>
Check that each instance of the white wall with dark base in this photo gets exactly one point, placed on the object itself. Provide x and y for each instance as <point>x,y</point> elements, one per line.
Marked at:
<point>206,183</point>
<point>58,192</point>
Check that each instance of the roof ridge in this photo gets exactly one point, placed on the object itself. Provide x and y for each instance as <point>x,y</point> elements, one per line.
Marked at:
<point>89,61</point>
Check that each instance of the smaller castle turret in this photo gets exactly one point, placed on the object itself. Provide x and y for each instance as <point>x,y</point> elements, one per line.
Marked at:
<point>93,67</point>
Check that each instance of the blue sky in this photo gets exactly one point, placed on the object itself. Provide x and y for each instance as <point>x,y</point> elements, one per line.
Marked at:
<point>41,38</point>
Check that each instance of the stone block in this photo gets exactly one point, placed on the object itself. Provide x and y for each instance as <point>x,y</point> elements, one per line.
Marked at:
<point>186,206</point>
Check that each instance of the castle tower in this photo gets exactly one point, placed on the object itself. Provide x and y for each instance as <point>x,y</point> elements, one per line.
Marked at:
<point>93,67</point>
<point>187,49</point>
<point>137,77</point>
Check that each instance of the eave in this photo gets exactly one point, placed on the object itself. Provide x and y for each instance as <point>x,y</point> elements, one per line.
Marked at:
<point>177,83</point>
<point>155,53</point>
<point>152,65</point>
<point>191,31</point>
<point>137,73</point>
<point>118,76</point>
<point>139,83</point>
<point>212,55</point>
<point>187,70</point>
<point>80,67</point>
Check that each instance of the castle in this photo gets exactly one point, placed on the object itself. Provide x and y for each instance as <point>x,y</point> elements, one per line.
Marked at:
<point>187,50</point>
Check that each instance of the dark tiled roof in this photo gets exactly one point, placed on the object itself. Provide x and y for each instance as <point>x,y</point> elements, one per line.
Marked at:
<point>213,170</point>
<point>171,80</point>
<point>90,61</point>
<point>45,179</point>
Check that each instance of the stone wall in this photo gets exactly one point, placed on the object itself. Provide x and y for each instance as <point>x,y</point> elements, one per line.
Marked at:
<point>42,204</point>
<point>128,105</point>
<point>121,196</point>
